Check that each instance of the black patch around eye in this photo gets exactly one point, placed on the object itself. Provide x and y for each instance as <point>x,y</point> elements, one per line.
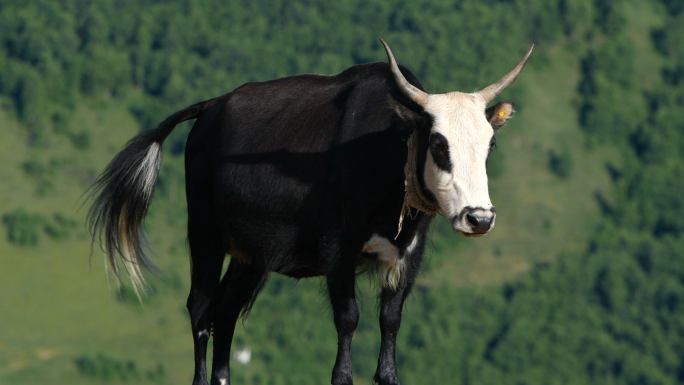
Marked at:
<point>439,148</point>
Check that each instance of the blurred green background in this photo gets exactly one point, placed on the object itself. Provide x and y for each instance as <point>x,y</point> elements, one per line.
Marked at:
<point>582,281</point>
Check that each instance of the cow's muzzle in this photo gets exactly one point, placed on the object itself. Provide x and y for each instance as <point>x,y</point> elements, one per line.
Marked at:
<point>474,221</point>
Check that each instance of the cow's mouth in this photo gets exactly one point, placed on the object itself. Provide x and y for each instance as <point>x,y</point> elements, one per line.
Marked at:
<point>473,235</point>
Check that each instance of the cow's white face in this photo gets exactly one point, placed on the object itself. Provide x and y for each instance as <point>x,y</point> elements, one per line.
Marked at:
<point>460,140</point>
<point>455,169</point>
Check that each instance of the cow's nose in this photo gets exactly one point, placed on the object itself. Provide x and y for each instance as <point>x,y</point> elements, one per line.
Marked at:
<point>480,224</point>
<point>480,221</point>
<point>474,221</point>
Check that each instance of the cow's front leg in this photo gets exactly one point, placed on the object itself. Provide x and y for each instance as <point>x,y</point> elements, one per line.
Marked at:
<point>341,286</point>
<point>391,305</point>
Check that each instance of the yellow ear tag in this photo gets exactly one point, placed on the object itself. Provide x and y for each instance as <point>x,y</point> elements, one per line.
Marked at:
<point>501,114</point>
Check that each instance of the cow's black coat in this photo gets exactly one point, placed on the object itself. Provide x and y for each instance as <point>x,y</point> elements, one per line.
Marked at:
<point>292,176</point>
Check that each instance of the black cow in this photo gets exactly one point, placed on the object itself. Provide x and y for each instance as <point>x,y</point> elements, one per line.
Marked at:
<point>305,176</point>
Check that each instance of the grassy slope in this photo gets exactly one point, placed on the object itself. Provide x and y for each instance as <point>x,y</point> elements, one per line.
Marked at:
<point>55,307</point>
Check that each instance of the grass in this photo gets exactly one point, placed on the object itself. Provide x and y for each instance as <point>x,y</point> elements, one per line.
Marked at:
<point>55,305</point>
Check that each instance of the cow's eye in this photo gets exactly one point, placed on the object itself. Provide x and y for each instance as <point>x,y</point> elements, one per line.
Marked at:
<point>439,148</point>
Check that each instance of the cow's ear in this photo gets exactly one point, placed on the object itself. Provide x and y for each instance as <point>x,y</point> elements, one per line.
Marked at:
<point>498,114</point>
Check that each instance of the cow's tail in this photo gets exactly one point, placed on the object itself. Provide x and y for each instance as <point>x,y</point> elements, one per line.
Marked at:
<point>122,195</point>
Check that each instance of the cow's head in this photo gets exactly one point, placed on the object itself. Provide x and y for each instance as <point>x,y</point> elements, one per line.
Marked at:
<point>461,138</point>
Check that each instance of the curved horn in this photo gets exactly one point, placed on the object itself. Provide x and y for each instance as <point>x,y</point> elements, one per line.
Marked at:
<point>407,88</point>
<point>495,89</point>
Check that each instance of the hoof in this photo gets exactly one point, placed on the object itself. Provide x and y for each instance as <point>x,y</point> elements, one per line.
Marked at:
<point>343,381</point>
<point>385,381</point>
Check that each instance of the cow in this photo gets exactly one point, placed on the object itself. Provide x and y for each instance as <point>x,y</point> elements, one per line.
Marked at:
<point>306,176</point>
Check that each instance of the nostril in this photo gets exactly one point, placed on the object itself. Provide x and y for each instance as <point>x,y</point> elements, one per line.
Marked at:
<point>487,222</point>
<point>473,220</point>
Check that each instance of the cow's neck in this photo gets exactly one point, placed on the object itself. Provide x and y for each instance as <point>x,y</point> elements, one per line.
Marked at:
<point>414,196</point>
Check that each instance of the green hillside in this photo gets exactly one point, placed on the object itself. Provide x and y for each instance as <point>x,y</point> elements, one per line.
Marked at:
<point>581,282</point>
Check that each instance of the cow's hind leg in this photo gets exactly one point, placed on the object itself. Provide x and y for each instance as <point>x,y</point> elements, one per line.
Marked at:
<point>207,260</point>
<point>239,288</point>
<point>342,290</point>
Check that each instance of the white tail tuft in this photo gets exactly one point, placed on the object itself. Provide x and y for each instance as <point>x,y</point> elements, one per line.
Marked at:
<point>125,191</point>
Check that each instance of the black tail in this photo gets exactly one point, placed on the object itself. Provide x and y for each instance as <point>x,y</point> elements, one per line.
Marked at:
<point>123,193</point>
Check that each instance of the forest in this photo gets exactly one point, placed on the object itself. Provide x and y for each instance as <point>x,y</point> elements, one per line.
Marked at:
<point>582,281</point>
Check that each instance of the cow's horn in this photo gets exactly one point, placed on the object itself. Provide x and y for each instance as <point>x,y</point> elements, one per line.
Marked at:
<point>495,89</point>
<point>407,88</point>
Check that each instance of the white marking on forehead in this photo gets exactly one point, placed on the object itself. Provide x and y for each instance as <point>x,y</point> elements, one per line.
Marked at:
<point>223,381</point>
<point>460,117</point>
